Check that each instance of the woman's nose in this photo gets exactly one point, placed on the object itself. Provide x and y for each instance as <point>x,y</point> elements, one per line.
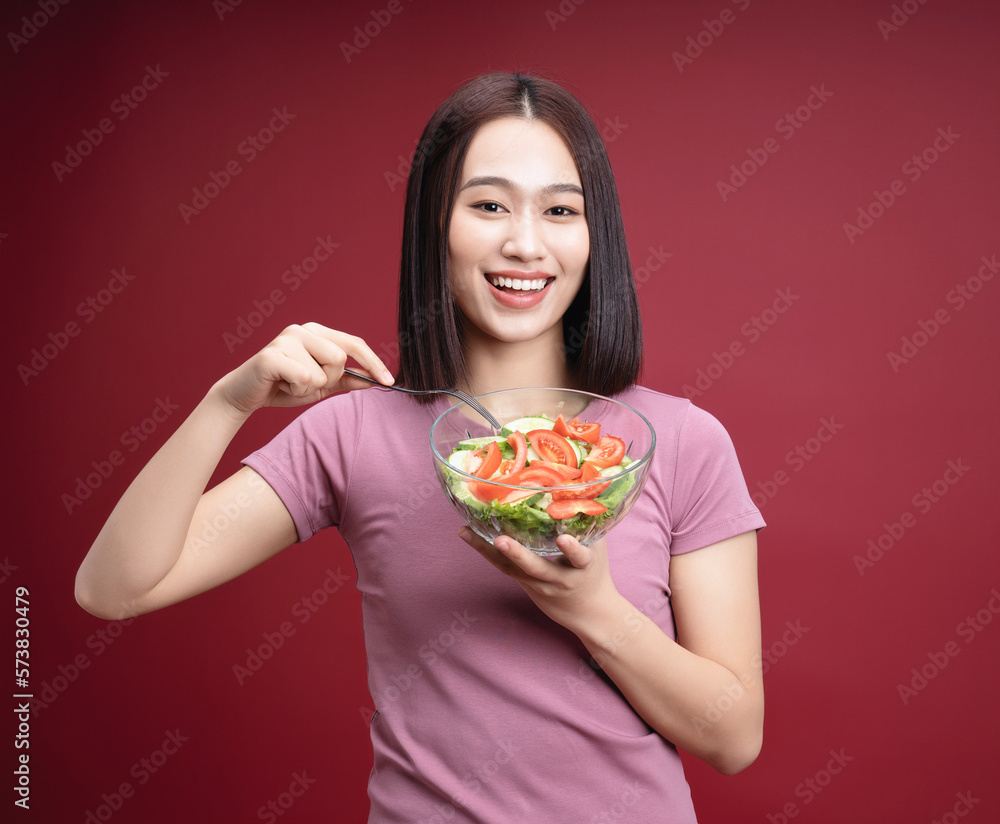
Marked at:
<point>524,240</point>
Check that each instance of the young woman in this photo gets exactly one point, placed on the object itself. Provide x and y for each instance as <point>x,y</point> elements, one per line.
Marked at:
<point>508,687</point>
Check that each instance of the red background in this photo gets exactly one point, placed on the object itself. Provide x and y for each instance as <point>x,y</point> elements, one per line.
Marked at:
<point>674,131</point>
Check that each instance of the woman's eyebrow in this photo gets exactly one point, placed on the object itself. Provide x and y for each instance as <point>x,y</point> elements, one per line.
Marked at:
<point>504,183</point>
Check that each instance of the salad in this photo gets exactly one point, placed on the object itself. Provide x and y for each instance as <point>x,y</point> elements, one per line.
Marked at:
<point>572,464</point>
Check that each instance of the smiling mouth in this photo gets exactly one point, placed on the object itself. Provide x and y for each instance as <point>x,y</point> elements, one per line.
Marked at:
<point>507,284</point>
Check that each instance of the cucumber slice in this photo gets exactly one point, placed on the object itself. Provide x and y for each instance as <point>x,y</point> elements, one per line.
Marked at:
<point>580,448</point>
<point>457,458</point>
<point>479,443</point>
<point>614,494</point>
<point>526,424</point>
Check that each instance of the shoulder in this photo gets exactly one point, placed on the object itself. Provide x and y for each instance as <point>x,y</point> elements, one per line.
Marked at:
<point>368,405</point>
<point>686,435</point>
<point>669,412</point>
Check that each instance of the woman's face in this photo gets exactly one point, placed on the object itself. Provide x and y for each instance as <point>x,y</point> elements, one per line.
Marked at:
<point>518,244</point>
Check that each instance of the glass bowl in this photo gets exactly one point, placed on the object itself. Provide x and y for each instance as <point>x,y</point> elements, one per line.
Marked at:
<point>528,521</point>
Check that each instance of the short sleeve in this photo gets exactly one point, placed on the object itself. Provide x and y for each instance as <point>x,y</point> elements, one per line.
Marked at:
<point>308,463</point>
<point>710,497</point>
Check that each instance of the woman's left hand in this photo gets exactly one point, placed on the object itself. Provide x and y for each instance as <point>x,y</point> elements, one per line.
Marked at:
<point>574,589</point>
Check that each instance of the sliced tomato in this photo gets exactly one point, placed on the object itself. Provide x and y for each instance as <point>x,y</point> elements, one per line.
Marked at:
<point>608,451</point>
<point>567,473</point>
<point>560,510</point>
<point>560,427</point>
<point>536,473</point>
<point>485,491</point>
<point>588,472</point>
<point>588,431</point>
<point>585,430</point>
<point>512,496</point>
<point>533,476</point>
<point>483,462</point>
<point>581,430</point>
<point>553,447</point>
<point>519,444</point>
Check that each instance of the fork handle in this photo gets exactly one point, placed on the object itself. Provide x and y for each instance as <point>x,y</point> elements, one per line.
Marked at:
<point>362,377</point>
<point>390,386</point>
<point>466,399</point>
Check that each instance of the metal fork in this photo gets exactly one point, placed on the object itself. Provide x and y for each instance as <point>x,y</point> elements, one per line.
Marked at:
<point>457,393</point>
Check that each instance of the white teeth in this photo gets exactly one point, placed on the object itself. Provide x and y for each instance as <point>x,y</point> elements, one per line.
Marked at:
<point>519,285</point>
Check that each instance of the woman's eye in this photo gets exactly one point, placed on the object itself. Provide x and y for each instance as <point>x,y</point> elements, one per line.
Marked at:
<point>490,207</point>
<point>562,211</point>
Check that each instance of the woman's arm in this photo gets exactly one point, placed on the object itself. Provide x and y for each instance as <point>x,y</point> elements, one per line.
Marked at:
<point>704,692</point>
<point>168,539</point>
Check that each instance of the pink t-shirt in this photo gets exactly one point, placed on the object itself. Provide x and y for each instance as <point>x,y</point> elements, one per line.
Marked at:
<point>487,710</point>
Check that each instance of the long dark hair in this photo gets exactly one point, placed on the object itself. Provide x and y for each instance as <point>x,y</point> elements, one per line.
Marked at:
<point>602,328</point>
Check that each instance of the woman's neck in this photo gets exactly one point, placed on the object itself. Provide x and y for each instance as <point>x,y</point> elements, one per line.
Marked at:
<point>493,364</point>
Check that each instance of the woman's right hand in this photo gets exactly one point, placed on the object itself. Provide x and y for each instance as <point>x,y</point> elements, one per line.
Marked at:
<point>304,364</point>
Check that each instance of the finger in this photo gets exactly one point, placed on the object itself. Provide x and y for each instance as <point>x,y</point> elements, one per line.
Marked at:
<point>289,368</point>
<point>486,549</point>
<point>575,553</point>
<point>524,559</point>
<point>299,377</point>
<point>356,348</point>
<point>323,359</point>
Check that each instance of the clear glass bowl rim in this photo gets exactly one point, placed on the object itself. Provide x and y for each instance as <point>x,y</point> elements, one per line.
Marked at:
<point>635,466</point>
